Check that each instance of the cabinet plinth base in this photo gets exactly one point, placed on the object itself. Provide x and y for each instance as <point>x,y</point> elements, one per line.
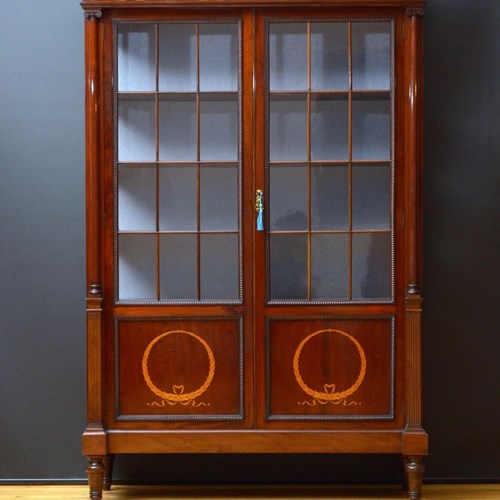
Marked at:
<point>100,468</point>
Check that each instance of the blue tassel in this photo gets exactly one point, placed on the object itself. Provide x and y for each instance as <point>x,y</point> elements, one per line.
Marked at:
<point>260,223</point>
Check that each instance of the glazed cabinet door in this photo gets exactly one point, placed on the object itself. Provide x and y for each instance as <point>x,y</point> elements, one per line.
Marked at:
<point>326,311</point>
<point>180,333</point>
<point>251,231</point>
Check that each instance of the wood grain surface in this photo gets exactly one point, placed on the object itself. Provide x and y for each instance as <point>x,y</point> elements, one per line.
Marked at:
<point>124,492</point>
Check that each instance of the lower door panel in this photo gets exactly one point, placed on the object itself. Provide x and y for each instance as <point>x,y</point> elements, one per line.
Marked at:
<point>330,368</point>
<point>179,369</point>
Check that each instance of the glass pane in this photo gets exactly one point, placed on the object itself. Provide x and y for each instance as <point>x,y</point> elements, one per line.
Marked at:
<point>329,56</point>
<point>371,191</point>
<point>177,128</point>
<point>329,197</point>
<point>136,57</point>
<point>288,197</point>
<point>329,128</point>
<point>177,58</point>
<point>288,128</point>
<point>137,267</point>
<point>330,266</point>
<point>177,192</point>
<point>371,55</point>
<point>371,137</point>
<point>218,57</point>
<point>219,263</point>
<point>371,266</point>
<point>178,266</point>
<point>219,198</point>
<point>288,56</point>
<point>137,198</point>
<point>288,261</point>
<point>136,128</point>
<point>219,128</point>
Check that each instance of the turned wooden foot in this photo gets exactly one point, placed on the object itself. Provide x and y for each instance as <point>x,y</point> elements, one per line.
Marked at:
<point>415,474</point>
<point>108,472</point>
<point>95,474</point>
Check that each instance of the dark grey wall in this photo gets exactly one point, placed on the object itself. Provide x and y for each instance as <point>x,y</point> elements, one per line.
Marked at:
<point>42,344</point>
<point>462,244</point>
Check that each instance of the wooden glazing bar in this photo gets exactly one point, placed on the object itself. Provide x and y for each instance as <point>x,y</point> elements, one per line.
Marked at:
<point>181,162</point>
<point>137,92</point>
<point>221,231</point>
<point>289,232</point>
<point>126,164</point>
<point>194,162</point>
<point>325,231</point>
<point>367,92</point>
<point>313,92</point>
<point>218,231</point>
<point>371,231</point>
<point>150,233</point>
<point>138,232</point>
<point>289,162</point>
<point>309,187</point>
<point>175,93</point>
<point>371,92</point>
<point>316,231</point>
<point>330,92</point>
<point>198,168</point>
<point>157,139</point>
<point>286,92</point>
<point>349,154</point>
<point>371,162</point>
<point>302,162</point>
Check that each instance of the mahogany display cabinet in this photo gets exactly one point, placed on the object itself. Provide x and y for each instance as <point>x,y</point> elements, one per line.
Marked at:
<point>253,229</point>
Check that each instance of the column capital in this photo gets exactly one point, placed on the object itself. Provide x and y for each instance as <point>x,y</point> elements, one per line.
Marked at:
<point>414,11</point>
<point>93,14</point>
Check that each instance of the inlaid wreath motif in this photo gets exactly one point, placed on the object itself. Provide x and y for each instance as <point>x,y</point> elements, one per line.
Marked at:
<point>329,394</point>
<point>178,395</point>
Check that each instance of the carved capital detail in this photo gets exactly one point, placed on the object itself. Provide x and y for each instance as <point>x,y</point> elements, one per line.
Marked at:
<point>95,290</point>
<point>93,14</point>
<point>414,11</point>
<point>413,289</point>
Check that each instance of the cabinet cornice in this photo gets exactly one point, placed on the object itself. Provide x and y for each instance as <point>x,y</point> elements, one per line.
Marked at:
<point>415,6</point>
